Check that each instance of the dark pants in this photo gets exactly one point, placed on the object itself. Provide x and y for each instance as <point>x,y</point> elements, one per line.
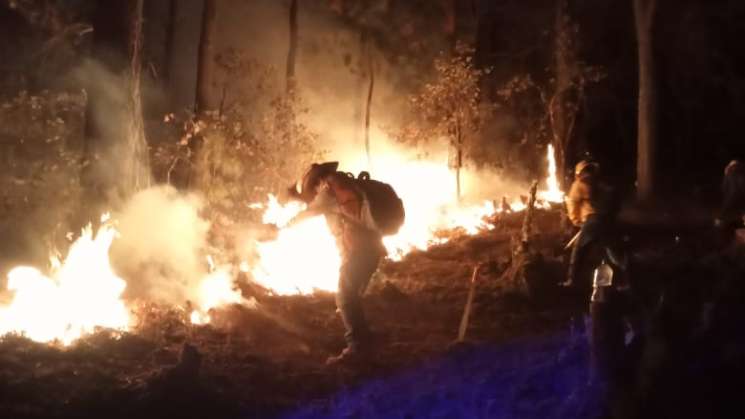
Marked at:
<point>354,275</point>
<point>587,251</point>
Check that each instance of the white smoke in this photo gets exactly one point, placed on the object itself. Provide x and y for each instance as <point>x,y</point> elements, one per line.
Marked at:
<point>161,251</point>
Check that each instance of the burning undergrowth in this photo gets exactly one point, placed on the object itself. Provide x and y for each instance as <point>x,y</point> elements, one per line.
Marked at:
<point>157,248</point>
<point>259,362</point>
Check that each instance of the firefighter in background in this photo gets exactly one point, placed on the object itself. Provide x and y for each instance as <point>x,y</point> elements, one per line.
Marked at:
<point>334,194</point>
<point>598,268</point>
<point>731,214</point>
<point>589,207</point>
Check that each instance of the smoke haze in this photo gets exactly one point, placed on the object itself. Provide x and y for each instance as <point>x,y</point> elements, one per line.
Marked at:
<point>161,251</point>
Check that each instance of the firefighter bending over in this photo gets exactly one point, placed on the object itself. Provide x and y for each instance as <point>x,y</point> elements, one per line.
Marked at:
<point>359,212</point>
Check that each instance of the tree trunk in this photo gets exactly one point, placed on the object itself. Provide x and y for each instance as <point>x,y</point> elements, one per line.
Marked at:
<point>360,91</point>
<point>170,29</point>
<point>451,23</point>
<point>139,178</point>
<point>368,106</point>
<point>206,99</point>
<point>644,13</point>
<point>458,161</point>
<point>292,53</point>
<point>558,111</point>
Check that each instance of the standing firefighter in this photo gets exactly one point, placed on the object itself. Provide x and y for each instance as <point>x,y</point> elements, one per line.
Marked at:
<point>359,212</point>
<point>589,208</point>
<point>733,200</point>
<point>598,268</point>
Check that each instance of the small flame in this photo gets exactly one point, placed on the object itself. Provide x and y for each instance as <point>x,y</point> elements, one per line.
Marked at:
<point>279,214</point>
<point>216,290</point>
<point>554,193</point>
<point>81,294</point>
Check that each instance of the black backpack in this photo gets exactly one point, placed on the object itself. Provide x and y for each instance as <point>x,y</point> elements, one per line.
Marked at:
<point>386,207</point>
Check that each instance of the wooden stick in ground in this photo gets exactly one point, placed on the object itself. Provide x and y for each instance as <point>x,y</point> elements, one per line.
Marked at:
<point>469,303</point>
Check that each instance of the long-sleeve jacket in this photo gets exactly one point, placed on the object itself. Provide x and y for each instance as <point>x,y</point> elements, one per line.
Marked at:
<point>587,197</point>
<point>579,201</point>
<point>343,206</point>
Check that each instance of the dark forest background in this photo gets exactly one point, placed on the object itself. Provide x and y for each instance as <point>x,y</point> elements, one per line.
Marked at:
<point>700,68</point>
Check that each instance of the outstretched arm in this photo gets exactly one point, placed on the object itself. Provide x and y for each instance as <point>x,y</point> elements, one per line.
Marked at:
<point>323,203</point>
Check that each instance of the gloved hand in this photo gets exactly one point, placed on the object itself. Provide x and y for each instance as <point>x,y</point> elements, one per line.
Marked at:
<point>268,232</point>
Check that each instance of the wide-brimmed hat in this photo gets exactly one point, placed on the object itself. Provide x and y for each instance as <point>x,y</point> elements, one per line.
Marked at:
<point>312,177</point>
<point>585,165</point>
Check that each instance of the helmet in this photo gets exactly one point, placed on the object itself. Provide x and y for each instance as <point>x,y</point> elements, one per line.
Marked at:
<point>585,166</point>
<point>312,178</point>
<point>734,166</point>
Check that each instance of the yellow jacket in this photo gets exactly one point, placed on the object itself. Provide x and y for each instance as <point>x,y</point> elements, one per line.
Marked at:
<point>579,201</point>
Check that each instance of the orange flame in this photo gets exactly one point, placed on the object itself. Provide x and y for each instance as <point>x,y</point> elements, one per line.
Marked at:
<point>303,258</point>
<point>83,293</point>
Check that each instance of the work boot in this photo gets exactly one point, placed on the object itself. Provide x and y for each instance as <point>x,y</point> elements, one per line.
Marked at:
<point>350,355</point>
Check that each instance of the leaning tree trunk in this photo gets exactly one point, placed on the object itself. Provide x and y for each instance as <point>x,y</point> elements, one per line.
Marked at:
<point>644,12</point>
<point>205,99</point>
<point>288,118</point>
<point>292,52</point>
<point>138,164</point>
<point>368,106</point>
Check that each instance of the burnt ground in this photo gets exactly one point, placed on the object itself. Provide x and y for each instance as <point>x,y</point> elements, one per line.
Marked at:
<point>520,359</point>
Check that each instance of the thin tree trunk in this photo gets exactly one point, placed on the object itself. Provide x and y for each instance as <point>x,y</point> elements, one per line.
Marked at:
<point>292,53</point>
<point>368,107</point>
<point>170,29</point>
<point>205,71</point>
<point>558,111</point>
<point>136,141</point>
<point>361,91</point>
<point>290,79</point>
<point>457,177</point>
<point>644,12</point>
<point>451,23</point>
<point>458,160</point>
